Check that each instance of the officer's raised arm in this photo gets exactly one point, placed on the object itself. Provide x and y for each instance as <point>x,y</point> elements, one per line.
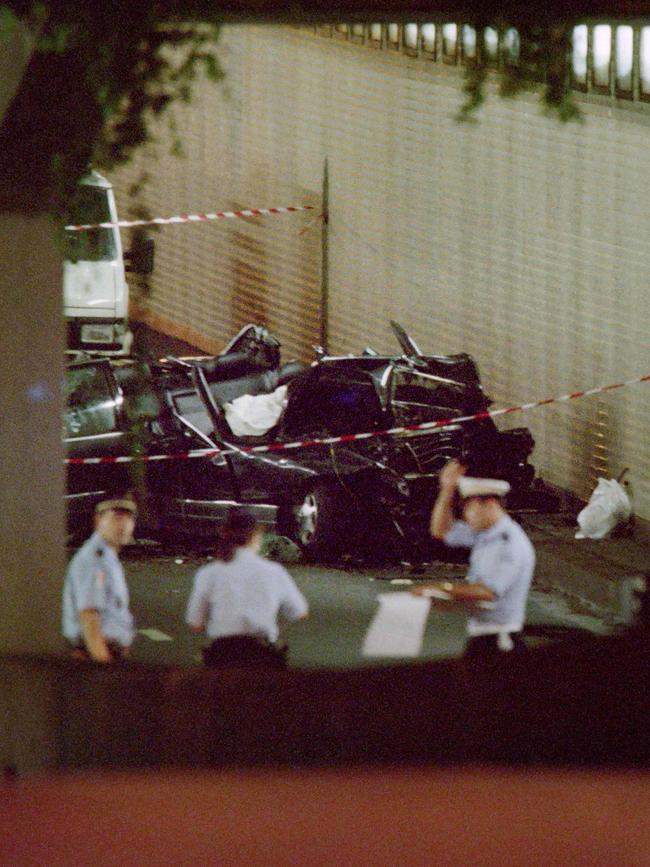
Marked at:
<point>501,561</point>
<point>442,516</point>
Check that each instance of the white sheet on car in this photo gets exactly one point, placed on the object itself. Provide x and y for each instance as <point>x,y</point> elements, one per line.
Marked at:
<point>255,414</point>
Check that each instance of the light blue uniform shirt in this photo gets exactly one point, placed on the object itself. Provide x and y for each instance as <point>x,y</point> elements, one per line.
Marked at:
<point>503,559</point>
<point>95,579</point>
<point>243,597</point>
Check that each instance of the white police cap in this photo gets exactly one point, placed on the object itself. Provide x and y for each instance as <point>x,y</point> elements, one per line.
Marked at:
<point>471,487</point>
<point>124,504</point>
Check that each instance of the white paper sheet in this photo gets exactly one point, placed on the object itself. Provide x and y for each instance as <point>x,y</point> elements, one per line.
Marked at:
<point>397,629</point>
<point>155,635</point>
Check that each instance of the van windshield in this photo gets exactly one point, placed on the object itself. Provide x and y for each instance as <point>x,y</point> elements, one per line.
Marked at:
<point>91,245</point>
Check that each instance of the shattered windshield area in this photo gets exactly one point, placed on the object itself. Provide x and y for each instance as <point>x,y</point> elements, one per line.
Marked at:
<point>346,407</point>
<point>420,397</point>
<point>335,405</point>
<point>90,406</point>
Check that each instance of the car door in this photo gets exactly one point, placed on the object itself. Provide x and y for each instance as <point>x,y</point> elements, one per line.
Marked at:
<point>206,483</point>
<point>151,432</point>
<point>113,415</point>
<point>91,431</point>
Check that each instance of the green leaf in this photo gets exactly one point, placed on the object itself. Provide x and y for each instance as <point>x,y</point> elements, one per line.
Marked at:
<point>58,40</point>
<point>8,24</point>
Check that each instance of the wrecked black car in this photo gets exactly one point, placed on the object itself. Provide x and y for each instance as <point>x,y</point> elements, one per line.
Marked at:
<point>191,437</point>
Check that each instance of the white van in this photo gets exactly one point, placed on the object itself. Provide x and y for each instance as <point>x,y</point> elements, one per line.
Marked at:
<point>95,291</point>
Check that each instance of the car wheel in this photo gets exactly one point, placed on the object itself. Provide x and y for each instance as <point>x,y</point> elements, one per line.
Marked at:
<point>317,522</point>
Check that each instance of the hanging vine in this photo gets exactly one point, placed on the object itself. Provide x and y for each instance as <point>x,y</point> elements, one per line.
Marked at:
<point>540,62</point>
<point>97,72</point>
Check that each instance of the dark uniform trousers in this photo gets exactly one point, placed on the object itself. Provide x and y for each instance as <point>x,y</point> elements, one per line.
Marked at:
<point>245,651</point>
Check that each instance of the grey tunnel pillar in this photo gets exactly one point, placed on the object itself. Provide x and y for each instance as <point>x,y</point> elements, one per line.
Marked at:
<point>32,478</point>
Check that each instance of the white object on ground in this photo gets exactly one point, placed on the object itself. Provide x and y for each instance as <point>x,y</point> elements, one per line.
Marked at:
<point>155,635</point>
<point>397,629</point>
<point>608,506</point>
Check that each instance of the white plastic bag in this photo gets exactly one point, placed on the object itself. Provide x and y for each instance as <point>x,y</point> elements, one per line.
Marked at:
<point>608,506</point>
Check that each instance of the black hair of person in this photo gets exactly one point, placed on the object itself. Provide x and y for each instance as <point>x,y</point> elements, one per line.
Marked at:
<point>236,532</point>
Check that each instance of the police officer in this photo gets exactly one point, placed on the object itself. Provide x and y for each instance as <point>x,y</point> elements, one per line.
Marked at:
<point>96,618</point>
<point>501,564</point>
<point>236,599</point>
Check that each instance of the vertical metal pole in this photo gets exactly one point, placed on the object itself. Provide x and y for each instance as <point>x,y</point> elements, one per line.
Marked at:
<point>324,311</point>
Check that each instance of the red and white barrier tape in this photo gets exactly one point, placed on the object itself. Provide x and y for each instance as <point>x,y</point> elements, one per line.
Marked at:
<point>347,438</point>
<point>191,218</point>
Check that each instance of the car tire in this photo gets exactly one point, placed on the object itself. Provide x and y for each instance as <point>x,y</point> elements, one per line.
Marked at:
<point>317,522</point>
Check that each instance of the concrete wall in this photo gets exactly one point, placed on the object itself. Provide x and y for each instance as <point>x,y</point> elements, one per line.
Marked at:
<point>514,237</point>
<point>581,703</point>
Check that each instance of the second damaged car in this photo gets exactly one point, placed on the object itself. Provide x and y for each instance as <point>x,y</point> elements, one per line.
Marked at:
<point>286,440</point>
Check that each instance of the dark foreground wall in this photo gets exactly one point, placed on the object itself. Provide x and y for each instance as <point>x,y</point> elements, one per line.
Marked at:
<point>586,703</point>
